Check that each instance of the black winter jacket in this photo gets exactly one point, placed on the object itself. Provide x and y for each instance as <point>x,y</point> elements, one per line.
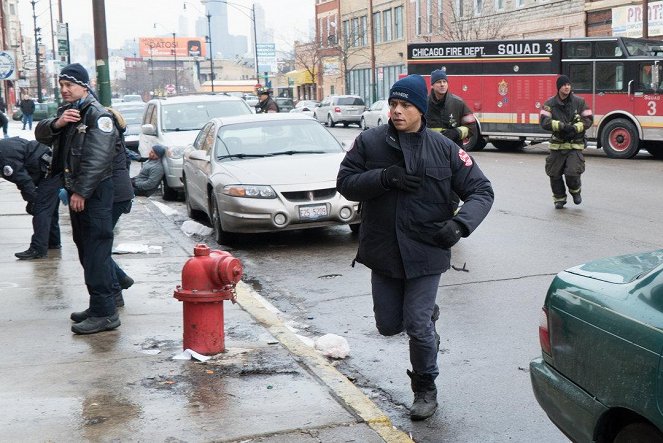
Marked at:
<point>397,227</point>
<point>24,163</point>
<point>451,112</point>
<point>83,150</point>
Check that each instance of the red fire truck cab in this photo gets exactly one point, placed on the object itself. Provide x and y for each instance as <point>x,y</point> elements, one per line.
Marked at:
<point>505,83</point>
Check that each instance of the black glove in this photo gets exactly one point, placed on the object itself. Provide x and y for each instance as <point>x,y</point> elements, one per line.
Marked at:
<point>395,177</point>
<point>568,132</point>
<point>449,234</point>
<point>452,134</point>
<point>29,208</point>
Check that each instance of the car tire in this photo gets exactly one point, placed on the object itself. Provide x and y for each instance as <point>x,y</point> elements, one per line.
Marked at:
<point>619,139</point>
<point>220,236</point>
<point>508,145</point>
<point>638,432</point>
<point>169,194</point>
<point>193,214</point>
<point>346,124</point>
<point>362,124</point>
<point>330,121</point>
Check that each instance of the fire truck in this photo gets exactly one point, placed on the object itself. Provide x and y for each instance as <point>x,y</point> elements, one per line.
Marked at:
<point>505,83</point>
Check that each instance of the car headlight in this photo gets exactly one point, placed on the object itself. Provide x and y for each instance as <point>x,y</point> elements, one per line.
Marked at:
<point>249,191</point>
<point>175,151</point>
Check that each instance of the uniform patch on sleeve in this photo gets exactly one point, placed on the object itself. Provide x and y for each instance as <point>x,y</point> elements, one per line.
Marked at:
<point>465,157</point>
<point>7,171</point>
<point>105,123</point>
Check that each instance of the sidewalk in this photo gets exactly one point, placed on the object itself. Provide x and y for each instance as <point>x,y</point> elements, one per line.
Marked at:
<point>123,385</point>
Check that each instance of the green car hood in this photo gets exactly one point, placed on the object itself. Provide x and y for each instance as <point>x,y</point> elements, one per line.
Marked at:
<point>621,269</point>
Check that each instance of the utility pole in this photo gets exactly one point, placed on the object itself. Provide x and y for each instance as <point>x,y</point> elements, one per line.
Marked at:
<point>374,85</point>
<point>645,18</point>
<point>211,51</point>
<point>177,89</point>
<point>255,41</point>
<point>101,51</point>
<point>56,90</point>
<point>37,40</point>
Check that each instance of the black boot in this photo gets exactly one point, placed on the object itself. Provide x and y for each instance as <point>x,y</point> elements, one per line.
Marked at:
<point>79,316</point>
<point>30,254</point>
<point>126,282</point>
<point>425,396</point>
<point>92,325</point>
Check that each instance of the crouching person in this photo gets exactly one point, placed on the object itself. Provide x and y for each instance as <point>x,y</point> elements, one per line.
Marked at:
<point>147,181</point>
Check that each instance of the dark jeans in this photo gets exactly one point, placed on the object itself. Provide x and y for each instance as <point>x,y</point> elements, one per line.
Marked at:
<point>27,119</point>
<point>4,122</point>
<point>92,230</point>
<point>407,305</point>
<point>119,208</point>
<point>45,217</point>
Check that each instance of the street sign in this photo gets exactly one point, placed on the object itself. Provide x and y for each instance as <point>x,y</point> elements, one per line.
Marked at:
<point>7,66</point>
<point>29,65</point>
<point>170,89</point>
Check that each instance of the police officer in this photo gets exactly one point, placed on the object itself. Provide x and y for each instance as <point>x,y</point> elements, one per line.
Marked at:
<point>266,103</point>
<point>447,112</point>
<point>83,137</point>
<point>408,224</point>
<point>568,117</point>
<point>27,165</point>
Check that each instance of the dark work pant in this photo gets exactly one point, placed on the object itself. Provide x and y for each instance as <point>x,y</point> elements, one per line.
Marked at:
<point>45,217</point>
<point>92,230</point>
<point>407,305</point>
<point>119,208</point>
<point>569,163</point>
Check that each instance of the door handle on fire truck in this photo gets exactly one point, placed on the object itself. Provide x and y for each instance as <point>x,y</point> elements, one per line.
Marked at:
<point>629,87</point>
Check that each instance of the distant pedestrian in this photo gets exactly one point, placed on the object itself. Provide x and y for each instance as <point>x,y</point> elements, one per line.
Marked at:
<point>27,109</point>
<point>27,164</point>
<point>83,137</point>
<point>568,117</point>
<point>149,178</point>
<point>266,103</point>
<point>4,121</point>
<point>404,174</point>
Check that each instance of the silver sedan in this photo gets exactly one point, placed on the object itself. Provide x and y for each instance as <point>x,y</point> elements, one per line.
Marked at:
<point>378,114</point>
<point>263,173</point>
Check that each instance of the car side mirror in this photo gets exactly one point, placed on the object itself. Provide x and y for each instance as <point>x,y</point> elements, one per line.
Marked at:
<point>199,154</point>
<point>148,129</point>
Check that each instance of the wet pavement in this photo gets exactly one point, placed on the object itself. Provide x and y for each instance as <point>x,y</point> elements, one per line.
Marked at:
<point>124,385</point>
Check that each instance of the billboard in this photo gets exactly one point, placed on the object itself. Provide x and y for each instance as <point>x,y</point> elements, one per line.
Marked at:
<point>186,48</point>
<point>627,20</point>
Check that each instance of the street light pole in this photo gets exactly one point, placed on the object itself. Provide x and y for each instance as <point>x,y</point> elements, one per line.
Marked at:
<point>255,41</point>
<point>177,90</point>
<point>34,18</point>
<point>211,51</point>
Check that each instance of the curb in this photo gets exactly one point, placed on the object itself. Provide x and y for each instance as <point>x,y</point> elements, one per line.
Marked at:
<point>344,390</point>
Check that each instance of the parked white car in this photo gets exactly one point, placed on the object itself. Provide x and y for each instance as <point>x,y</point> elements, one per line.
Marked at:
<point>174,122</point>
<point>378,114</point>
<point>265,173</point>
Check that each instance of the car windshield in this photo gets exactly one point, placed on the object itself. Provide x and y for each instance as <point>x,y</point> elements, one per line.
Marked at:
<point>192,116</point>
<point>350,101</point>
<point>132,116</point>
<point>270,138</point>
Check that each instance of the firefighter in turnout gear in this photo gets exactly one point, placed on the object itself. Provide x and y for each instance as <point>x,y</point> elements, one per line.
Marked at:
<point>447,112</point>
<point>568,117</point>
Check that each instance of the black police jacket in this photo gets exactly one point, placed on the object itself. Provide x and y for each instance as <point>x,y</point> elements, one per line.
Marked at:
<point>397,227</point>
<point>85,149</point>
<point>24,163</point>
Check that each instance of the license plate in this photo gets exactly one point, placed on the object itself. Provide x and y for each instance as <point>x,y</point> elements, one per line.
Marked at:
<point>312,212</point>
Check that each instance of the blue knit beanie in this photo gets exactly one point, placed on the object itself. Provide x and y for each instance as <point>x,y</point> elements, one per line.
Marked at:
<point>436,75</point>
<point>76,73</point>
<point>159,150</point>
<point>411,89</point>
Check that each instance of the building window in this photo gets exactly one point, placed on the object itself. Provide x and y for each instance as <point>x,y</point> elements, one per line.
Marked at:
<point>346,33</point>
<point>398,22</point>
<point>377,27</point>
<point>364,31</point>
<point>417,17</point>
<point>387,22</point>
<point>520,3</point>
<point>499,5</point>
<point>429,15</point>
<point>478,6</point>
<point>440,17</point>
<point>355,32</point>
<point>459,8</point>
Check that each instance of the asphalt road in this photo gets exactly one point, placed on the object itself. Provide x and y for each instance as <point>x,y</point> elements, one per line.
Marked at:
<point>489,314</point>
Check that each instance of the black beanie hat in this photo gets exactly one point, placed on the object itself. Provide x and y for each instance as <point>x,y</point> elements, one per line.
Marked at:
<point>562,80</point>
<point>411,89</point>
<point>436,75</point>
<point>76,73</point>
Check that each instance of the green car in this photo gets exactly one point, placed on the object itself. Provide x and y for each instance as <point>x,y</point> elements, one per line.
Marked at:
<point>42,111</point>
<point>600,376</point>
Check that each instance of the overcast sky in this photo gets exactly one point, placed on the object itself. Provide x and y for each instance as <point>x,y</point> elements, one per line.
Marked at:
<point>126,19</point>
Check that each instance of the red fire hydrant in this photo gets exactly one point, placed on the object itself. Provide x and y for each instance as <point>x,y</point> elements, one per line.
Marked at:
<point>208,278</point>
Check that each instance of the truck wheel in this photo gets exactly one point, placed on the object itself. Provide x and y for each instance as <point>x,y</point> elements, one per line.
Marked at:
<point>619,139</point>
<point>508,145</point>
<point>475,143</point>
<point>637,432</point>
